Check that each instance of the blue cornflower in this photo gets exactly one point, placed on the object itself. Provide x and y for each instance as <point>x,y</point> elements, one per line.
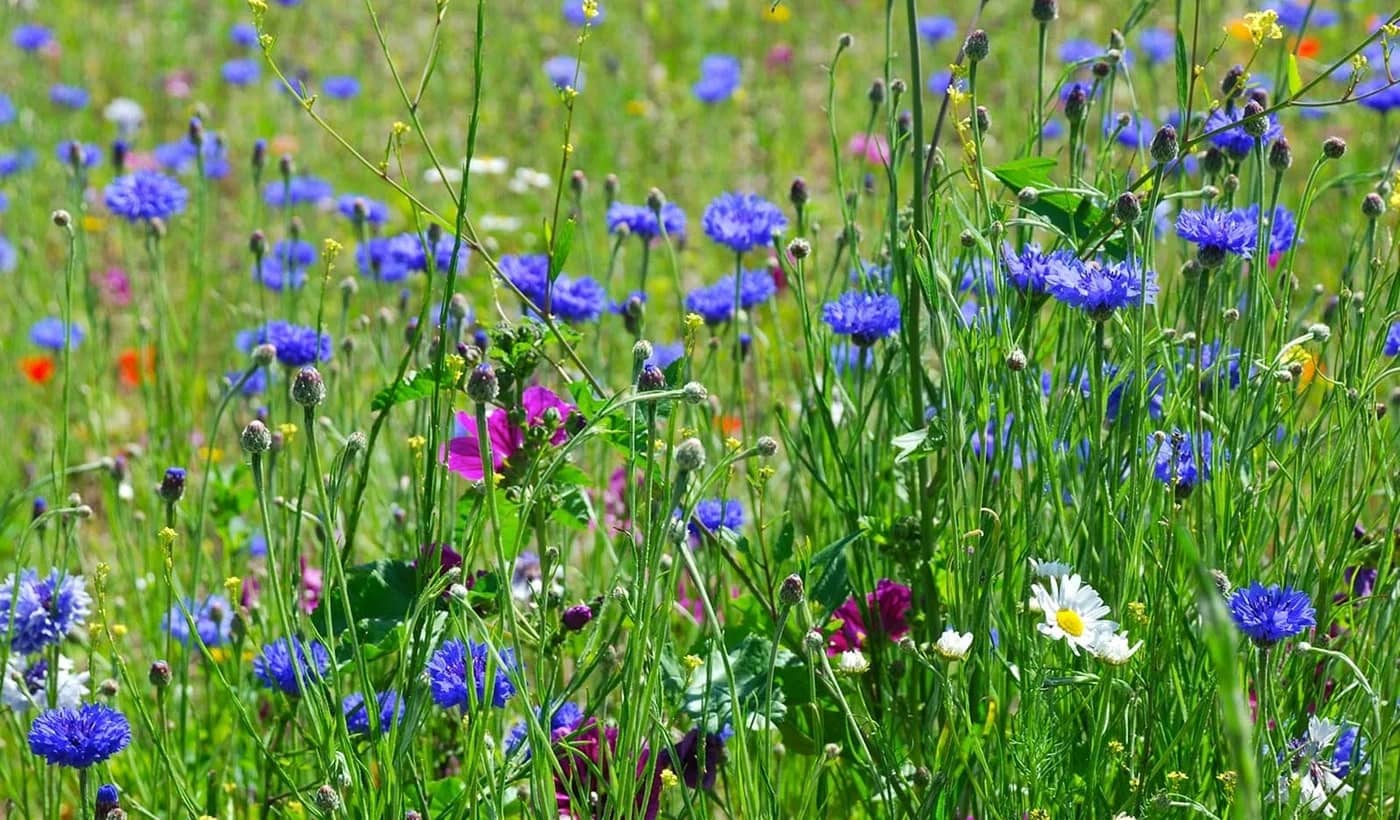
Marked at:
<point>31,36</point>
<point>255,385</point>
<point>294,253</point>
<point>284,664</point>
<point>573,12</point>
<point>13,163</point>
<point>243,34</point>
<point>1099,289</point>
<point>7,110</point>
<point>561,70</point>
<point>665,355</point>
<point>939,81</point>
<point>145,195</point>
<point>1217,232</point>
<point>564,720</point>
<point>452,684</point>
<point>1379,94</point>
<point>51,334</point>
<point>577,300</point>
<point>375,212</point>
<point>297,346</point>
<point>1181,461</point>
<point>1158,44</point>
<point>340,87</point>
<point>87,154</point>
<point>108,798</point>
<point>1078,51</point>
<point>78,738</point>
<point>276,275</point>
<point>978,277</point>
<point>68,96</point>
<point>1291,14</point>
<point>379,259</point>
<point>36,612</point>
<point>755,287</point>
<point>1283,227</point>
<point>987,442</point>
<point>1267,615</point>
<point>1124,387</point>
<point>1137,133</point>
<point>1218,364</point>
<point>714,514</point>
<point>528,272</point>
<point>642,221</point>
<point>873,276</point>
<point>241,71</point>
<point>936,29</point>
<point>299,190</point>
<point>720,75</point>
<point>1234,140</point>
<point>1392,340</point>
<point>213,621</point>
<point>865,317</point>
<point>742,222</point>
<point>357,716</point>
<point>1029,270</point>
<point>9,257</point>
<point>1349,752</point>
<point>714,303</point>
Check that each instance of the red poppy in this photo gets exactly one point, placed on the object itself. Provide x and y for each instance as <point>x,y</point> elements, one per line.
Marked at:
<point>38,369</point>
<point>1308,47</point>
<point>134,366</point>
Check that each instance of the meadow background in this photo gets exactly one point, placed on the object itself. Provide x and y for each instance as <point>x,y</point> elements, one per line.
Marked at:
<point>934,526</point>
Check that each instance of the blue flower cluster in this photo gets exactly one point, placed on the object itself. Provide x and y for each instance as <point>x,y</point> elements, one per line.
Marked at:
<point>865,317</point>
<point>145,195</point>
<point>1270,614</point>
<point>297,190</point>
<point>291,664</point>
<point>641,220</point>
<point>742,222</point>
<point>1099,289</point>
<point>573,300</point>
<point>391,711</point>
<point>720,75</point>
<point>79,738</point>
<point>487,680</point>
<point>38,611</point>
<point>213,621</point>
<point>297,346</point>
<point>714,514</point>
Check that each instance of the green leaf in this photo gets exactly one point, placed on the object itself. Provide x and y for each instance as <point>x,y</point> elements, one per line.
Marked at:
<point>710,694</point>
<point>833,584</point>
<point>574,511</point>
<point>420,386</point>
<point>1074,215</point>
<point>782,548</point>
<point>906,445</point>
<point>560,253</point>
<point>1183,72</point>
<point>1295,80</point>
<point>380,594</point>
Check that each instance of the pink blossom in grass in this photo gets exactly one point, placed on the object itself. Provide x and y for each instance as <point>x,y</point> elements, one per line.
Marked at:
<point>464,452</point>
<point>873,147</point>
<point>889,603</point>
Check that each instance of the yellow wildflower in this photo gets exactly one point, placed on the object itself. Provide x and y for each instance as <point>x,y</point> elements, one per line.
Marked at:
<point>1263,25</point>
<point>288,431</point>
<point>777,13</point>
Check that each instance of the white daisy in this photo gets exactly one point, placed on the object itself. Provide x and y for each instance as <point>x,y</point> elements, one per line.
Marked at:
<point>1113,649</point>
<point>953,645</point>
<point>852,662</point>
<point>1073,611</point>
<point>26,685</point>
<point>1051,569</point>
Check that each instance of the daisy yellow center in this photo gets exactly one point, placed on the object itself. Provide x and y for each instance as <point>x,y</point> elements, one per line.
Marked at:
<point>1070,622</point>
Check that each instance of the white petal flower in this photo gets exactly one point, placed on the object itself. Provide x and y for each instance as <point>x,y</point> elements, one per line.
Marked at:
<point>954,645</point>
<point>1073,612</point>
<point>494,166</point>
<point>1050,569</point>
<point>26,685</point>
<point>499,224</point>
<point>124,113</point>
<point>852,662</point>
<point>1113,648</point>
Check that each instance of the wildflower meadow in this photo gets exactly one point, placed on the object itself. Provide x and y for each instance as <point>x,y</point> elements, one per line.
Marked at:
<point>733,408</point>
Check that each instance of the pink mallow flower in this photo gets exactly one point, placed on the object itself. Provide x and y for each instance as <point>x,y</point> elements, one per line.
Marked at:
<point>889,603</point>
<point>464,452</point>
<point>874,147</point>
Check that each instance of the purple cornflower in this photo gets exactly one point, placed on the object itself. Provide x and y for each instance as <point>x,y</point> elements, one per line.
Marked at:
<point>453,684</point>
<point>742,222</point>
<point>1283,227</point>
<point>213,621</point>
<point>243,34</point>
<point>1030,270</point>
<point>144,195</point>
<point>1099,289</point>
<point>50,333</point>
<point>865,317</point>
<point>1392,340</point>
<point>357,716</point>
<point>37,612</point>
<point>720,75</point>
<point>573,300</point>
<point>1234,139</point>
<point>297,346</point>
<point>1267,615</point>
<point>1182,461</point>
<point>283,664</point>
<point>714,303</point>
<point>79,738</point>
<point>642,221</point>
<point>1217,232</point>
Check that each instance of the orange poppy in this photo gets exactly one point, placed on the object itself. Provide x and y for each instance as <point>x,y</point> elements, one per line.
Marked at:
<point>730,425</point>
<point>38,369</point>
<point>1309,47</point>
<point>135,366</point>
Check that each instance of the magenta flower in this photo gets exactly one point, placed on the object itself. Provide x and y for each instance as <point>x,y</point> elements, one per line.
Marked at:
<point>464,452</point>
<point>873,147</point>
<point>889,602</point>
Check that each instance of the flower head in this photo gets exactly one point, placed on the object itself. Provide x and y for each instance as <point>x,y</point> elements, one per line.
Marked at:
<point>1030,270</point>
<point>291,664</point>
<point>715,514</point>
<point>357,716</point>
<point>720,75</point>
<point>340,87</point>
<point>1113,648</point>
<point>26,684</point>
<point>1392,340</point>
<point>31,36</point>
<point>641,220</point>
<point>298,190</point>
<point>953,645</point>
<point>213,621</point>
<point>241,71</point>
<point>144,195</point>
<point>1074,612</point>
<point>1099,289</point>
<point>742,222</point>
<point>889,603</point>
<point>565,719</point>
<point>36,612</point>
<point>297,346</point>
<point>1217,232</point>
<point>562,72</point>
<point>81,737</point>
<point>1267,615</point>
<point>466,674</point>
<point>1182,460</point>
<point>585,758</point>
<point>1232,137</point>
<point>865,317</point>
<point>698,756</point>
<point>68,96</point>
<point>51,334</point>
